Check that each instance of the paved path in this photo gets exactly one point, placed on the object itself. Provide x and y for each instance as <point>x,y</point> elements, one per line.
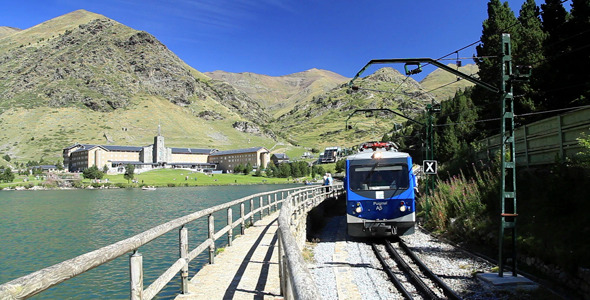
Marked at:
<point>246,270</point>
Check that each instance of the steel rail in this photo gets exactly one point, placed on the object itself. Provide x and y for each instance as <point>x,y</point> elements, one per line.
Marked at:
<point>446,289</point>
<point>390,273</point>
<point>420,285</point>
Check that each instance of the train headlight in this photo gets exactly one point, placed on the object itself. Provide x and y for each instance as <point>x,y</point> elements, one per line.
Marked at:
<point>377,155</point>
<point>359,208</point>
<point>402,208</point>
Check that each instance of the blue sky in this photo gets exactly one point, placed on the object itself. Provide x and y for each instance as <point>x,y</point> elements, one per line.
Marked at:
<point>275,37</point>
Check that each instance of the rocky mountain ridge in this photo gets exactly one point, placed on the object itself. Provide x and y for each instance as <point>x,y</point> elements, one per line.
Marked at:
<point>112,76</point>
<point>281,93</point>
<point>91,63</point>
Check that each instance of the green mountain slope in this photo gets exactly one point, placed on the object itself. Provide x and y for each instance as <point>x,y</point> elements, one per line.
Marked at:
<point>85,78</point>
<point>443,85</point>
<point>280,94</point>
<point>322,122</point>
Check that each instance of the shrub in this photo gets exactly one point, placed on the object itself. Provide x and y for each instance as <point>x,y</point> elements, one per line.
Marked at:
<point>458,205</point>
<point>78,184</point>
<point>92,173</point>
<point>51,185</point>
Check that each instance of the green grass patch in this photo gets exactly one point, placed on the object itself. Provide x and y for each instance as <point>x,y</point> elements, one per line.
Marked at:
<point>19,180</point>
<point>179,177</point>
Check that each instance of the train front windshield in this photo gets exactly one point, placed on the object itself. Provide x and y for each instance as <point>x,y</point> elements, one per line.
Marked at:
<point>379,177</point>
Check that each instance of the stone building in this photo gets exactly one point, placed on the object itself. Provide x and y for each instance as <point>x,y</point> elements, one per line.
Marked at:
<point>279,158</point>
<point>82,156</point>
<point>228,160</point>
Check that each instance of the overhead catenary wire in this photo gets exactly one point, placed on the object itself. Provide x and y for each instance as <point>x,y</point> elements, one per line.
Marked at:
<point>516,116</point>
<point>471,57</point>
<point>537,63</point>
<point>456,51</point>
<point>447,84</point>
<point>518,21</point>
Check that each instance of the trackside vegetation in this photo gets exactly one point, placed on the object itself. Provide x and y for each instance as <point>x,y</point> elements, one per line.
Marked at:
<point>553,205</point>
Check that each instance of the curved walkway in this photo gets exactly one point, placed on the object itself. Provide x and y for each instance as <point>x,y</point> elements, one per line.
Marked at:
<point>246,270</point>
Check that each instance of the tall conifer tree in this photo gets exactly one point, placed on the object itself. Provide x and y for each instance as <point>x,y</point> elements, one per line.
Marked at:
<point>500,20</point>
<point>530,37</point>
<point>578,57</point>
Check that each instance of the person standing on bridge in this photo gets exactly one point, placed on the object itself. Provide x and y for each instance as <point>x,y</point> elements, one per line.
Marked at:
<point>328,181</point>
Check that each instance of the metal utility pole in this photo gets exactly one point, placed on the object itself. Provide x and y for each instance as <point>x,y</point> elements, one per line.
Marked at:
<point>430,110</point>
<point>508,212</point>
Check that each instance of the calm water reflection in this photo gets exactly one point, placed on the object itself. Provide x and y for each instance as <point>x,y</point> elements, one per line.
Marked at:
<point>42,228</point>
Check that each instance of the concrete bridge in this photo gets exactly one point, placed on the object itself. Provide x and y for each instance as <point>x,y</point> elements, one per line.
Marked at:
<point>265,261</point>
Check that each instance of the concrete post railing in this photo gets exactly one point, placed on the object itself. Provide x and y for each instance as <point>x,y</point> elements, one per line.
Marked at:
<point>296,280</point>
<point>39,281</point>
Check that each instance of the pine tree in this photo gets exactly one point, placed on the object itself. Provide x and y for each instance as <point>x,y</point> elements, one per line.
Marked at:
<point>500,20</point>
<point>530,36</point>
<point>92,173</point>
<point>578,58</point>
<point>284,170</point>
<point>248,168</point>
<point>567,51</point>
<point>271,170</point>
<point>129,172</point>
<point>238,169</point>
<point>7,175</point>
<point>554,20</point>
<point>295,171</point>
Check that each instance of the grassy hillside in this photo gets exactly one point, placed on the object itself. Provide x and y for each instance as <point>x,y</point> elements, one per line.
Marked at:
<point>321,122</point>
<point>32,134</point>
<point>5,31</point>
<point>42,33</point>
<point>85,78</point>
<point>443,84</point>
<point>280,94</point>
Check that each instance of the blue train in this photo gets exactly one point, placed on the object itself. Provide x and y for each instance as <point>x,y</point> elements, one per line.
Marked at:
<point>380,198</point>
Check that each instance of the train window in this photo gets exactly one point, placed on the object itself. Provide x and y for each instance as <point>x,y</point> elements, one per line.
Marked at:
<point>377,177</point>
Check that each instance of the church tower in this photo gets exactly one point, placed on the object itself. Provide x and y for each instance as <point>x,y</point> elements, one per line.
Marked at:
<point>159,151</point>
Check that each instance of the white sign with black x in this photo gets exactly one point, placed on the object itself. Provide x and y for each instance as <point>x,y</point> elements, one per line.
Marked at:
<point>429,167</point>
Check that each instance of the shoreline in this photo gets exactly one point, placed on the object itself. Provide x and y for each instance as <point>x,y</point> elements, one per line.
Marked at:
<point>90,187</point>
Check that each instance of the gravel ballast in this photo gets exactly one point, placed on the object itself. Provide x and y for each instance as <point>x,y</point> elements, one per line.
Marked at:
<point>346,268</point>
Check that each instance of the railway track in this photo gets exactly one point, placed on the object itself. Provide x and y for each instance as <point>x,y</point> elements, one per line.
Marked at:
<point>409,275</point>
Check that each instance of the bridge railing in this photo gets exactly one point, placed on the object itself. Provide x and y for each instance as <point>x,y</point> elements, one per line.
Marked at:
<point>36,282</point>
<point>296,280</point>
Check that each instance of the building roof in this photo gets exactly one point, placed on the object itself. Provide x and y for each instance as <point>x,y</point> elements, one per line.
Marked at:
<point>238,151</point>
<point>83,147</point>
<point>122,148</point>
<point>86,147</point>
<point>126,162</point>
<point>281,156</point>
<point>191,151</point>
<point>190,164</point>
<point>45,167</point>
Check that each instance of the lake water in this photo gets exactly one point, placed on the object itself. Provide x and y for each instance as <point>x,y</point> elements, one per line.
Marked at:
<point>42,228</point>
